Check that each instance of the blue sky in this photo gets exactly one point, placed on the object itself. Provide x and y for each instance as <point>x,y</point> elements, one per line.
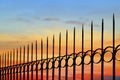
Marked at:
<point>25,17</point>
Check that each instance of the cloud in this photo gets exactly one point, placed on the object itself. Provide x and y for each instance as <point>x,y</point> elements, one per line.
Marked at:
<point>25,19</point>
<point>20,19</point>
<point>36,18</point>
<point>74,22</point>
<point>51,19</point>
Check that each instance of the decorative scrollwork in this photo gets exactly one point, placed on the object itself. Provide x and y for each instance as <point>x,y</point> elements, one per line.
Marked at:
<point>62,61</point>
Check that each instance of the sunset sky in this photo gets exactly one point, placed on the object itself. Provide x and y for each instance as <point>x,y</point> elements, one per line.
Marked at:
<point>24,21</point>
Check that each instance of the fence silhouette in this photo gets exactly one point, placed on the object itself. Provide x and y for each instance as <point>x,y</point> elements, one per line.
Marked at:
<point>24,69</point>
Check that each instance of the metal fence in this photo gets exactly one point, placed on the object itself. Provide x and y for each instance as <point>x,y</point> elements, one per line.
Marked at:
<point>13,69</point>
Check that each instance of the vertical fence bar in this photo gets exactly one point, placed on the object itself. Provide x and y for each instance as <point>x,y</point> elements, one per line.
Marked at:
<point>5,66</point>
<point>10,65</point>
<point>66,70</point>
<point>13,64</point>
<point>41,59</point>
<point>92,50</point>
<point>32,61</point>
<point>47,72</point>
<point>2,71</point>
<point>20,66</point>
<point>28,62</point>
<point>82,77</point>
<point>24,63</point>
<point>36,61</point>
<point>102,55</point>
<point>59,72</point>
<point>0,67</point>
<point>74,63</point>
<point>13,56</point>
<point>17,64</point>
<point>114,47</point>
<point>53,59</point>
<point>36,49</point>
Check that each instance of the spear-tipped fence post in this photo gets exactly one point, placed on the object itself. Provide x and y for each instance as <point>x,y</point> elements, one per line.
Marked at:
<point>32,61</point>
<point>92,50</point>
<point>13,64</point>
<point>102,52</point>
<point>23,63</point>
<point>82,75</point>
<point>17,64</point>
<point>0,67</point>
<point>36,60</point>
<point>59,72</point>
<point>74,58</point>
<point>28,62</point>
<point>53,63</point>
<point>114,48</point>
<point>10,65</point>
<point>47,72</point>
<point>41,59</point>
<point>5,66</point>
<point>66,70</point>
<point>20,66</point>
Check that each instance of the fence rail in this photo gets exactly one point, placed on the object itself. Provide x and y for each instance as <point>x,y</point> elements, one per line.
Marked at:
<point>18,70</point>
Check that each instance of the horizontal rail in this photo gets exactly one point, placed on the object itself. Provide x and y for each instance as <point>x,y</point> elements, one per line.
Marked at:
<point>70,56</point>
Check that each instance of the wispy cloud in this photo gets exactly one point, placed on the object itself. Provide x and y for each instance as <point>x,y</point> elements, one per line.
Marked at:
<point>24,19</point>
<point>20,19</point>
<point>74,22</point>
<point>36,18</point>
<point>51,19</point>
<point>77,22</point>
